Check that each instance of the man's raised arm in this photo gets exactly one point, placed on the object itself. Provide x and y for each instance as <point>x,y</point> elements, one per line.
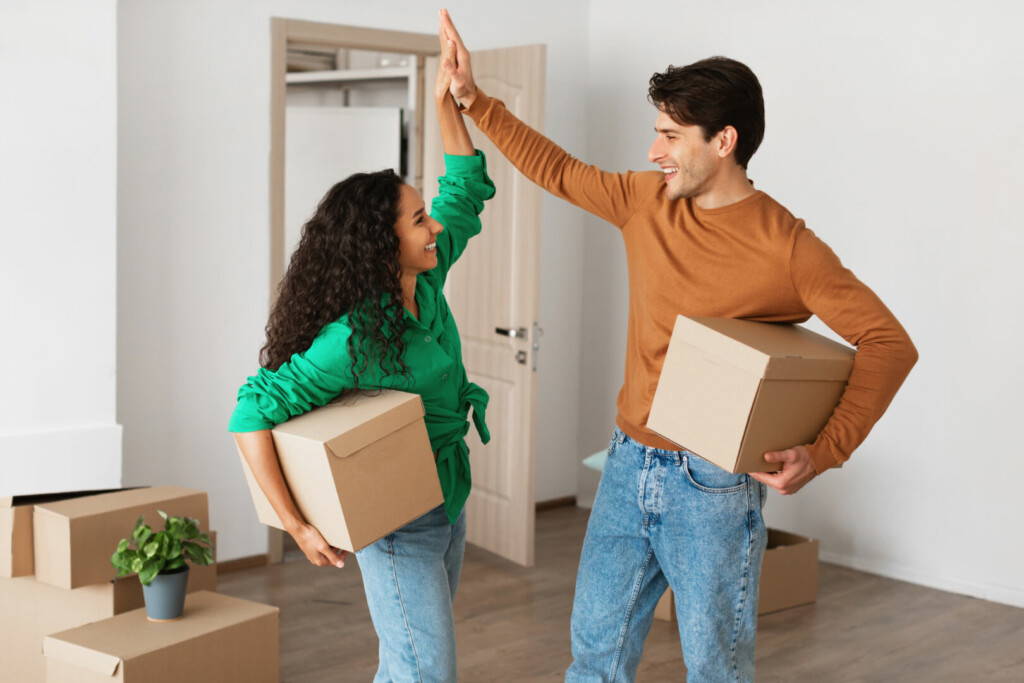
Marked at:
<point>611,196</point>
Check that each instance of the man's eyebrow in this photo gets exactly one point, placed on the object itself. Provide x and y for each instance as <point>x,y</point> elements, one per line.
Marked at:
<point>418,212</point>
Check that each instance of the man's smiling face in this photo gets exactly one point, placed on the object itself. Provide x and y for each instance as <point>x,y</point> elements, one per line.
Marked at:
<point>688,160</point>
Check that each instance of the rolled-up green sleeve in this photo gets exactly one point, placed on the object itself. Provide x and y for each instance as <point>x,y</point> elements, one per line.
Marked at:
<point>462,191</point>
<point>307,380</point>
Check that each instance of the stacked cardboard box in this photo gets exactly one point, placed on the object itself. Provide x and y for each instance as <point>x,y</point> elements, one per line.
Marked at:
<point>55,571</point>
<point>218,639</point>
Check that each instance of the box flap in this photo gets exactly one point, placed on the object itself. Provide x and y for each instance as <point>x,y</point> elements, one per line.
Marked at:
<point>116,500</point>
<point>54,647</point>
<point>723,339</point>
<point>790,351</point>
<point>129,636</point>
<point>40,498</point>
<point>356,420</point>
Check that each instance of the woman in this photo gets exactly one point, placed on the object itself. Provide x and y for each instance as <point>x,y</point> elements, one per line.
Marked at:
<point>362,307</point>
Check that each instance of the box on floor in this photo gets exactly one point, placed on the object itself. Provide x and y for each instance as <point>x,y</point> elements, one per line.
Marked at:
<point>732,390</point>
<point>218,638</point>
<point>32,610</point>
<point>789,576</point>
<point>358,468</point>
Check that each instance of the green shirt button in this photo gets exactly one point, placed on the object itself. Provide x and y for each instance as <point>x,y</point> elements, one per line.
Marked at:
<point>428,339</point>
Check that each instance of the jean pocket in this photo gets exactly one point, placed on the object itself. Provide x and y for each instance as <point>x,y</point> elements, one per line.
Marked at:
<point>709,478</point>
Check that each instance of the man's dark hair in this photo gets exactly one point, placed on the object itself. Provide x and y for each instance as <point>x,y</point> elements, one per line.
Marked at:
<point>713,93</point>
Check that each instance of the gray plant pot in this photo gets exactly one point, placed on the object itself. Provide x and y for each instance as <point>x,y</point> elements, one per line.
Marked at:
<point>165,596</point>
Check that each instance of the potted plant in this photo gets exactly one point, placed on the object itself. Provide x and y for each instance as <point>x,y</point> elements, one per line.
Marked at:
<point>161,561</point>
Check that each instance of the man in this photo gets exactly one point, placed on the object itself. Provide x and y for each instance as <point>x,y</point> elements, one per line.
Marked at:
<point>701,241</point>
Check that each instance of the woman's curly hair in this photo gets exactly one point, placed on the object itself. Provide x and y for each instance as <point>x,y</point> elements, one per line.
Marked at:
<point>346,262</point>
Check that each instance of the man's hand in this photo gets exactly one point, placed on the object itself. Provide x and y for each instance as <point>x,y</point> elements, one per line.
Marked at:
<point>463,87</point>
<point>797,470</point>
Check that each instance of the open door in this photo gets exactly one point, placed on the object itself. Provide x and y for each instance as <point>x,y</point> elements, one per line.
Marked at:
<point>495,286</point>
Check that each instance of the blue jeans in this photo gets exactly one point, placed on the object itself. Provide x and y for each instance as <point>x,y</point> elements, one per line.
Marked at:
<point>410,578</point>
<point>668,518</point>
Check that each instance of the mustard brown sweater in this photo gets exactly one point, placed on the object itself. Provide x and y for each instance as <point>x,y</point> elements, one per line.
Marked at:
<point>752,260</point>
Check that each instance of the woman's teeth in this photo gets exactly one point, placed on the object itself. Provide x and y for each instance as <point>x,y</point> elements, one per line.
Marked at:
<point>432,246</point>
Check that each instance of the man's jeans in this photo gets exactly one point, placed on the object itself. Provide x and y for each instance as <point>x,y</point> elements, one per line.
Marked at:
<point>668,518</point>
<point>410,578</point>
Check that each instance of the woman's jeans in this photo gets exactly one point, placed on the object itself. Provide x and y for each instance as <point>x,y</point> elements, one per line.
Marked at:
<point>410,578</point>
<point>668,518</point>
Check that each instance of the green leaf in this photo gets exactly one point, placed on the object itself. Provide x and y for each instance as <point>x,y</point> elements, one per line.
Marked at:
<point>137,564</point>
<point>122,545</point>
<point>204,538</point>
<point>151,548</point>
<point>149,572</point>
<point>175,564</point>
<point>191,528</point>
<point>194,552</point>
<point>162,514</point>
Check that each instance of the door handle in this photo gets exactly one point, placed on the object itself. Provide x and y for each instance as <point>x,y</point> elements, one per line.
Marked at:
<point>516,332</point>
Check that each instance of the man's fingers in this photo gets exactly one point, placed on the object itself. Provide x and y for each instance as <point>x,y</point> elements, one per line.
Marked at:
<point>780,456</point>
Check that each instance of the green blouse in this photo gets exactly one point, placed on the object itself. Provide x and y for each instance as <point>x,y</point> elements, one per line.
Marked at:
<point>433,351</point>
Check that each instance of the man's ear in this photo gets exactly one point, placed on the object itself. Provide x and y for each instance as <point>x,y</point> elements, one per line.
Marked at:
<point>727,138</point>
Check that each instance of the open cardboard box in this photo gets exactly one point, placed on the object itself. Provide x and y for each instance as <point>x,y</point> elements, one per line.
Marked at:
<point>789,576</point>
<point>75,538</point>
<point>218,638</point>
<point>358,468</point>
<point>16,553</point>
<point>32,610</point>
<point>732,390</point>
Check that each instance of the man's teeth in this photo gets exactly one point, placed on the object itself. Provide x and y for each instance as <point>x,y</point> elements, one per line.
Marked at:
<point>667,171</point>
<point>432,246</point>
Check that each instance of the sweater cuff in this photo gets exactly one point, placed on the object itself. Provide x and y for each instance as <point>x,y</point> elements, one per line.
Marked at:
<point>481,105</point>
<point>464,165</point>
<point>822,457</point>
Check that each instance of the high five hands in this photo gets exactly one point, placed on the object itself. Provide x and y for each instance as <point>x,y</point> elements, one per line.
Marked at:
<point>455,62</point>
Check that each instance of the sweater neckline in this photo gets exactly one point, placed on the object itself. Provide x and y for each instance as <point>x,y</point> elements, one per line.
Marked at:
<point>757,196</point>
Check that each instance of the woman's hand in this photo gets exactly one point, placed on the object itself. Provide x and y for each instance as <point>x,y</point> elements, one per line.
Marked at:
<point>454,52</point>
<point>316,549</point>
<point>444,67</point>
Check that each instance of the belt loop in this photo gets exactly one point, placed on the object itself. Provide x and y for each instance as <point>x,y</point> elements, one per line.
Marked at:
<point>680,458</point>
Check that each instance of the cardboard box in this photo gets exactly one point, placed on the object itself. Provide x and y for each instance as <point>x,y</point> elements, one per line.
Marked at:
<point>789,576</point>
<point>358,468</point>
<point>218,638</point>
<point>75,538</point>
<point>16,554</point>
<point>32,610</point>
<point>731,390</point>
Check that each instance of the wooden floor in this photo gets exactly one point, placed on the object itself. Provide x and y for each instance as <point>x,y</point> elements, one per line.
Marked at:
<point>512,623</point>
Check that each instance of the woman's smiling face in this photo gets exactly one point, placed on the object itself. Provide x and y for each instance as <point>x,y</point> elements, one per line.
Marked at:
<point>417,234</point>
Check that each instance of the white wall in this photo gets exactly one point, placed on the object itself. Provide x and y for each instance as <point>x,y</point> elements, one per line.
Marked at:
<point>193,234</point>
<point>58,179</point>
<point>892,128</point>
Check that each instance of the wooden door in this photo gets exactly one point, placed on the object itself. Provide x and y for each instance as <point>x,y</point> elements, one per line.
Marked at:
<point>495,285</point>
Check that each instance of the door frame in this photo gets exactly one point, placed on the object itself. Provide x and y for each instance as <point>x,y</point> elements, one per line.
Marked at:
<point>284,33</point>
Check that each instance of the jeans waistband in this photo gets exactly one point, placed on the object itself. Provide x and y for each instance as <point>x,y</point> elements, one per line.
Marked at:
<point>621,437</point>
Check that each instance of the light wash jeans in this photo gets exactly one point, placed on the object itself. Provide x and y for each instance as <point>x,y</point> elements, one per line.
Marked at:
<point>410,578</point>
<point>668,518</point>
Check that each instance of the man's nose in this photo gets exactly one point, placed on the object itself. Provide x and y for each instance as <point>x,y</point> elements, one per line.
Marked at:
<point>654,152</point>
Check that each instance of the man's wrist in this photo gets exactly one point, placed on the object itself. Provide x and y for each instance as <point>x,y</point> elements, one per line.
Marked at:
<point>467,101</point>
